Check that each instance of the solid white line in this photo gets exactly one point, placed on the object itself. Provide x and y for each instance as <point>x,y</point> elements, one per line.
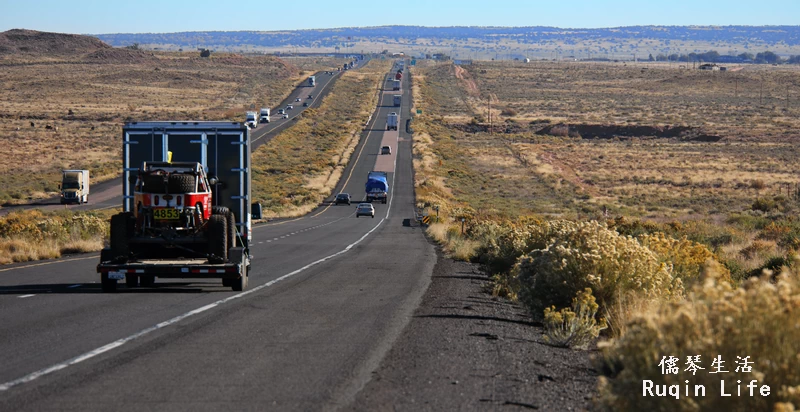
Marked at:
<point>113,345</point>
<point>25,296</point>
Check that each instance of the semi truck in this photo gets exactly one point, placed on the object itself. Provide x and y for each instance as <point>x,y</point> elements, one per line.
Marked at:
<point>377,187</point>
<point>74,186</point>
<point>264,115</point>
<point>251,120</point>
<point>312,81</point>
<point>391,121</point>
<point>396,85</point>
<point>396,99</point>
<point>186,210</point>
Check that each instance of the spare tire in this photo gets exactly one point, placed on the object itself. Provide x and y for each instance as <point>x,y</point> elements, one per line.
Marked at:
<point>218,239</point>
<point>154,184</point>
<point>181,183</point>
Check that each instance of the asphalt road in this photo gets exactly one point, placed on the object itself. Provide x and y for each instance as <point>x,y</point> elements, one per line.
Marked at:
<point>108,194</point>
<point>329,293</point>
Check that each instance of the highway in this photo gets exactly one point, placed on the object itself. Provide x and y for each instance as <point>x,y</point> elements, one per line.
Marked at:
<point>108,194</point>
<point>328,295</point>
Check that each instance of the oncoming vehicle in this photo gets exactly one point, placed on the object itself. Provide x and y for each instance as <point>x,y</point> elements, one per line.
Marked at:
<point>342,198</point>
<point>297,99</point>
<point>385,150</point>
<point>289,107</point>
<point>365,209</point>
<point>285,116</point>
<point>305,104</point>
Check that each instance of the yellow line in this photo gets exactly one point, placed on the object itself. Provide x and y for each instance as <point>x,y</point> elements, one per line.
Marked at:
<point>49,263</point>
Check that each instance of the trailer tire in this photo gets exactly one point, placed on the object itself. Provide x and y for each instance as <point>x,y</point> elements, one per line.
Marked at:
<point>218,239</point>
<point>132,281</point>
<point>227,282</point>
<point>106,284</point>
<point>240,284</point>
<point>179,183</point>
<point>120,233</point>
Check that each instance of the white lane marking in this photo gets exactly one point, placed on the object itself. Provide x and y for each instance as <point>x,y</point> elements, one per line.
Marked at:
<point>275,239</point>
<point>50,263</point>
<point>269,241</point>
<point>25,296</point>
<point>73,286</point>
<point>113,345</point>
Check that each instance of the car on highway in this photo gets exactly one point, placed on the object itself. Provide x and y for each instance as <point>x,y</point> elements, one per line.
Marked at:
<point>342,198</point>
<point>305,104</point>
<point>289,107</point>
<point>285,116</point>
<point>281,111</point>
<point>310,96</point>
<point>297,99</point>
<point>386,150</point>
<point>365,209</point>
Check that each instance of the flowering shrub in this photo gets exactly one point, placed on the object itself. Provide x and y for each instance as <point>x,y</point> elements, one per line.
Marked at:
<point>589,255</point>
<point>33,235</point>
<point>760,319</point>
<point>574,328</point>
<point>686,257</point>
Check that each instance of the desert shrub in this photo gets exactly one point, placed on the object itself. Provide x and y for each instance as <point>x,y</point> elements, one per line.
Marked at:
<point>505,285</point>
<point>576,327</point>
<point>560,130</point>
<point>748,221</point>
<point>33,235</point>
<point>774,264</point>
<point>785,232</point>
<point>687,258</point>
<point>634,228</point>
<point>507,112</point>
<point>589,255</point>
<point>761,320</point>
<point>501,244</point>
<point>764,204</point>
<point>759,248</point>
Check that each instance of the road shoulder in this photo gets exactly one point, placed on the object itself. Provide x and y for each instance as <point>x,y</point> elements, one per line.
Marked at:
<point>466,350</point>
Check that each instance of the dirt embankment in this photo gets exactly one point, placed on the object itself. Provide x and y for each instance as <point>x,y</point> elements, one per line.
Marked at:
<point>595,131</point>
<point>45,44</point>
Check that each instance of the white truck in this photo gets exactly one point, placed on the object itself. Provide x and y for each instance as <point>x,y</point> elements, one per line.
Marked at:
<point>251,120</point>
<point>391,121</point>
<point>312,81</point>
<point>396,85</point>
<point>74,186</point>
<point>396,99</point>
<point>264,115</point>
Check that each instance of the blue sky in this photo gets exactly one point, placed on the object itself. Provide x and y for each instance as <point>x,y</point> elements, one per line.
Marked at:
<point>165,16</point>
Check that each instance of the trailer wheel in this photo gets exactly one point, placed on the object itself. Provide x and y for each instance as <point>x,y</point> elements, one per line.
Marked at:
<point>132,281</point>
<point>147,281</point>
<point>240,284</point>
<point>218,239</point>
<point>227,282</point>
<point>120,233</point>
<point>179,183</point>
<point>106,284</point>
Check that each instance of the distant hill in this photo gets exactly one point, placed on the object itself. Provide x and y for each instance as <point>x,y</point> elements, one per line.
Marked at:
<point>526,35</point>
<point>38,43</point>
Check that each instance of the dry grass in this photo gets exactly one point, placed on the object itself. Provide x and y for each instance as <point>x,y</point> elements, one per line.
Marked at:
<point>86,104</point>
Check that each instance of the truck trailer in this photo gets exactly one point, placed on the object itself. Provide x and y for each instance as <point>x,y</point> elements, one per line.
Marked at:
<point>391,121</point>
<point>377,187</point>
<point>396,99</point>
<point>186,205</point>
<point>74,186</point>
<point>395,84</point>
<point>312,81</point>
<point>264,118</point>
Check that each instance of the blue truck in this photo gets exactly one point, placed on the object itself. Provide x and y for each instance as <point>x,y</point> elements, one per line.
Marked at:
<point>377,187</point>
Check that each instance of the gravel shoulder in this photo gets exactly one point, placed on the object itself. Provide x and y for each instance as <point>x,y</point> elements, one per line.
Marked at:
<point>466,350</point>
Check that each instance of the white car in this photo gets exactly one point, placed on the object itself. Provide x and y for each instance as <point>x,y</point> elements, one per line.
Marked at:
<point>365,209</point>
<point>289,107</point>
<point>285,116</point>
<point>297,99</point>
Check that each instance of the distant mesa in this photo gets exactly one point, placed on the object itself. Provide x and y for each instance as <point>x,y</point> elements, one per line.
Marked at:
<point>39,43</point>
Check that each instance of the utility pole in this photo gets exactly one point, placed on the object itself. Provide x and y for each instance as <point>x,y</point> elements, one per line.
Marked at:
<point>761,92</point>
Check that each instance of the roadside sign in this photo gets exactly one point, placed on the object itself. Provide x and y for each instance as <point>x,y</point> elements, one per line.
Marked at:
<point>419,111</point>
<point>383,57</point>
<point>413,62</point>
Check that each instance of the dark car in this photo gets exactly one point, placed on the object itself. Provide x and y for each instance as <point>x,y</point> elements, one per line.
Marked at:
<point>305,104</point>
<point>343,198</point>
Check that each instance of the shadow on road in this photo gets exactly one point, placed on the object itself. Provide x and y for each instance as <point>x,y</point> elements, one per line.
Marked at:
<point>89,288</point>
<point>481,318</point>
